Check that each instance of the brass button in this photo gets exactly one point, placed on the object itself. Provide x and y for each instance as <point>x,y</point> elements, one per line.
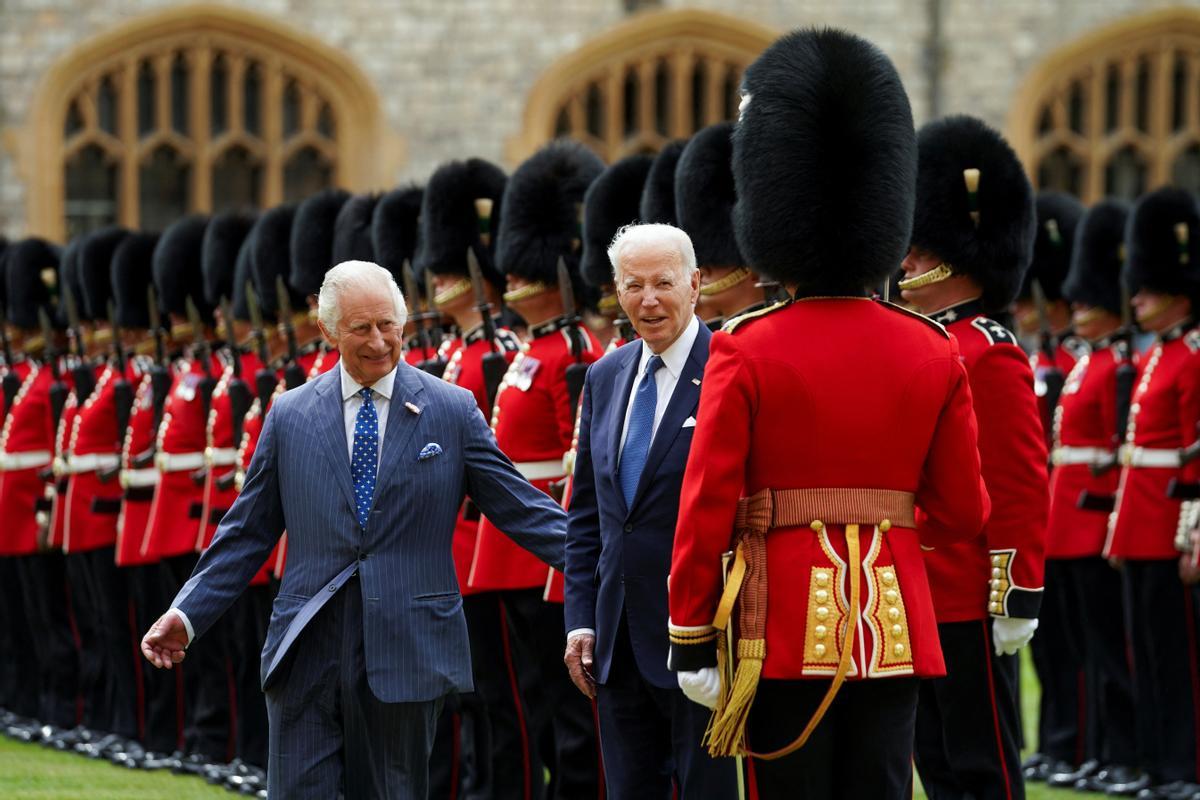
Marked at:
<point>893,614</point>
<point>817,525</point>
<point>995,608</point>
<point>822,578</point>
<point>819,649</point>
<point>996,561</point>
<point>996,572</point>
<point>822,612</point>
<point>821,596</point>
<point>994,597</point>
<point>885,526</point>
<point>892,596</point>
<point>897,631</point>
<point>889,578</point>
<point>898,649</point>
<point>820,631</point>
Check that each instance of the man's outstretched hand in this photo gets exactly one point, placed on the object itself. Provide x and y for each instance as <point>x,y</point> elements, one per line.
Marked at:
<point>165,642</point>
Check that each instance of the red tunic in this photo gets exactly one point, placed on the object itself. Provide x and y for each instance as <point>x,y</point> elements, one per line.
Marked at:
<point>998,573</point>
<point>59,486</point>
<point>882,404</point>
<point>1163,416</point>
<point>1069,350</point>
<point>1084,435</point>
<point>27,442</point>
<point>220,452</point>
<point>533,421</point>
<point>251,430</point>
<point>21,368</point>
<point>137,483</point>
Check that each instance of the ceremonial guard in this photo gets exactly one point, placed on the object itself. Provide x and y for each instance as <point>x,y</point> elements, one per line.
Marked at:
<point>314,250</point>
<point>533,419</point>
<point>971,244</point>
<point>492,753</point>
<point>171,531</point>
<point>1162,271</point>
<point>1043,313</point>
<point>1089,424</point>
<point>611,202</point>
<point>136,315</point>
<point>826,624</point>
<point>26,444</point>
<point>704,200</point>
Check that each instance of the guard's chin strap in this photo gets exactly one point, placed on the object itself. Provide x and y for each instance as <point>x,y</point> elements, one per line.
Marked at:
<point>452,292</point>
<point>1156,310</point>
<point>525,292</point>
<point>728,282</point>
<point>936,275</point>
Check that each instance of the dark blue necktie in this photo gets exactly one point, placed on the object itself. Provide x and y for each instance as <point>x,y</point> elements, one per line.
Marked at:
<point>641,431</point>
<point>366,452</point>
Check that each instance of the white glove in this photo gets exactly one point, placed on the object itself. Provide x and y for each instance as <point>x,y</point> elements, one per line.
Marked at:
<point>702,686</point>
<point>1010,634</point>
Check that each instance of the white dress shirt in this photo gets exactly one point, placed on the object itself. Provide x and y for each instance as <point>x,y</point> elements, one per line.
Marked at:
<point>351,403</point>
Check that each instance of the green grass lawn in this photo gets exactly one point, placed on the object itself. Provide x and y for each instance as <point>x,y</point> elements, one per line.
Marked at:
<point>31,772</point>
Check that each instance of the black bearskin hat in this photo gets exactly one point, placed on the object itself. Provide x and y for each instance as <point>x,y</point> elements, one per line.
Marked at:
<point>68,280</point>
<point>988,233</point>
<point>1097,257</point>
<point>312,239</point>
<point>610,203</point>
<point>222,243</point>
<point>824,162</point>
<point>178,272</point>
<point>1162,242</point>
<point>352,230</point>
<point>452,220</point>
<point>658,195</point>
<point>131,272</point>
<point>270,257</point>
<point>705,196</point>
<point>394,230</point>
<point>542,205</point>
<point>1058,216</point>
<point>241,276</point>
<point>31,281</point>
<point>95,270</point>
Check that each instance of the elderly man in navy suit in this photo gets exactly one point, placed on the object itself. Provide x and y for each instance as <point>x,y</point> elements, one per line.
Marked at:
<point>366,468</point>
<point>639,406</point>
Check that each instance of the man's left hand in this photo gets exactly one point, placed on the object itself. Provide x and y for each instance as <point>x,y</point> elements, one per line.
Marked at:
<point>578,659</point>
<point>1010,634</point>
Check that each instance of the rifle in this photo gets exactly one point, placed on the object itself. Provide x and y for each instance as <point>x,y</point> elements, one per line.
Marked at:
<point>12,384</point>
<point>293,373</point>
<point>85,377</point>
<point>419,317</point>
<point>122,392</point>
<point>1052,376</point>
<point>495,365</point>
<point>202,352</point>
<point>160,377</point>
<point>435,366</point>
<point>58,389</point>
<point>1126,375</point>
<point>265,379</point>
<point>239,392</point>
<point>578,371</point>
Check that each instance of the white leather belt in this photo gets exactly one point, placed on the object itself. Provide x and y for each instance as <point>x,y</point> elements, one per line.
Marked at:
<point>540,470</point>
<point>138,478</point>
<point>91,462</point>
<point>1063,456</point>
<point>29,460</point>
<point>1150,457</point>
<point>178,462</point>
<point>220,456</point>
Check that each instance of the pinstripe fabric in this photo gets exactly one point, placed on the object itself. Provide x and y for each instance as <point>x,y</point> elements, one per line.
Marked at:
<point>414,634</point>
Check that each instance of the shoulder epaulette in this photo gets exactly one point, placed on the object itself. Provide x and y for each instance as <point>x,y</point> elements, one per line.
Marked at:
<point>917,315</point>
<point>1192,340</point>
<point>993,331</point>
<point>1076,346</point>
<point>508,340</point>
<point>736,322</point>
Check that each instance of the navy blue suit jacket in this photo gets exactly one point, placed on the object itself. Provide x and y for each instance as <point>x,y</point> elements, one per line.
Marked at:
<point>414,633</point>
<point>619,557</point>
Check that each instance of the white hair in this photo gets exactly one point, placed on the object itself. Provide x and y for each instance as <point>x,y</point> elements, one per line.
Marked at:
<point>640,234</point>
<point>356,275</point>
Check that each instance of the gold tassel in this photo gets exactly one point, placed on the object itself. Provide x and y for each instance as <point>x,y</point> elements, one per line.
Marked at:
<point>727,730</point>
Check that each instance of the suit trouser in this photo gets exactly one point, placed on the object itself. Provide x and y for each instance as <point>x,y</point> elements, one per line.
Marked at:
<point>160,726</point>
<point>1161,618</point>
<point>17,643</point>
<point>206,675</point>
<point>329,732</point>
<point>1058,660</point>
<point>564,721</point>
<point>966,743</point>
<point>861,749</point>
<point>651,737</point>
<point>250,615</point>
<point>1096,608</point>
<point>44,586</point>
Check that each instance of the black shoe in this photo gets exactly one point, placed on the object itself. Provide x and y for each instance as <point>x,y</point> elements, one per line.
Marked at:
<point>1106,776</point>
<point>162,760</point>
<point>132,756</point>
<point>102,747</point>
<point>248,779</point>
<point>1175,790</point>
<point>1049,766</point>
<point>1032,766</point>
<point>1129,789</point>
<point>66,740</point>
<point>1068,778</point>
<point>193,764</point>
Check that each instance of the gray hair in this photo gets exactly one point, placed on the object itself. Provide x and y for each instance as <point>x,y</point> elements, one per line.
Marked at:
<point>652,233</point>
<point>356,275</point>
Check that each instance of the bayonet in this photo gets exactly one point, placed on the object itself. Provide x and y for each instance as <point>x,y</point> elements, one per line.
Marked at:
<point>436,365</point>
<point>58,389</point>
<point>293,373</point>
<point>239,392</point>
<point>265,379</point>
<point>419,317</point>
<point>494,364</point>
<point>575,372</point>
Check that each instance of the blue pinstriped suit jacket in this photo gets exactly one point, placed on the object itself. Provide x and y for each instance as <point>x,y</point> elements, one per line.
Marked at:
<point>415,636</point>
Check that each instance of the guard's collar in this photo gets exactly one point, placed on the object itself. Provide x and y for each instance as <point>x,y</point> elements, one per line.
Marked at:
<point>963,310</point>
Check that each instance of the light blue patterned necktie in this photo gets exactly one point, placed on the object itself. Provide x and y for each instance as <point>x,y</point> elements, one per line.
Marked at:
<point>641,431</point>
<point>366,452</point>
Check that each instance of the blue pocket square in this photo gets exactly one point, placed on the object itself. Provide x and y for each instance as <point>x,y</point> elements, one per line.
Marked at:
<point>429,451</point>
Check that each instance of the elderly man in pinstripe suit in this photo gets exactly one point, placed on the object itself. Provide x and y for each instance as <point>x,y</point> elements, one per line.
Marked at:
<point>365,467</point>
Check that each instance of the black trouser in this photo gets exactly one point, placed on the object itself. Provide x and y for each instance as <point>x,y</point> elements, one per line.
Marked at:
<point>206,676</point>
<point>1058,660</point>
<point>47,597</point>
<point>1161,619</point>
<point>966,742</point>
<point>114,637</point>
<point>86,612</point>
<point>19,665</point>
<point>1095,606</point>
<point>861,749</point>
<point>160,724</point>
<point>564,721</point>
<point>250,615</point>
